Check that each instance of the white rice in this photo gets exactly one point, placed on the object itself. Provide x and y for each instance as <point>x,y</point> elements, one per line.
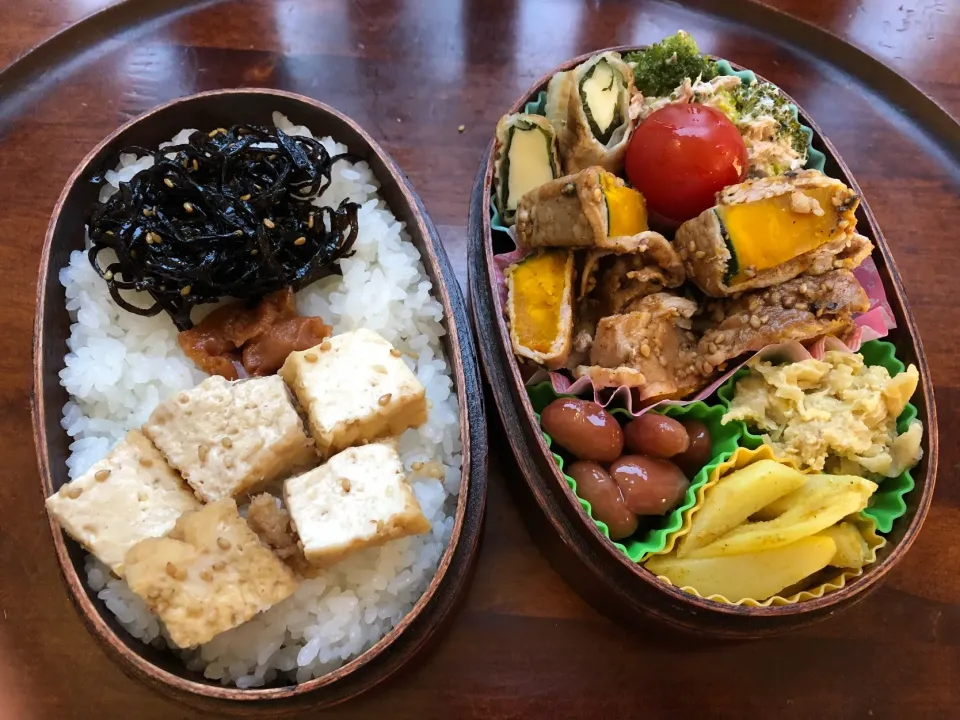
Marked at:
<point>121,365</point>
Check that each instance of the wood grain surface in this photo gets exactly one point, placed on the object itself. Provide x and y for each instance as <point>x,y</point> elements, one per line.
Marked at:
<point>411,72</point>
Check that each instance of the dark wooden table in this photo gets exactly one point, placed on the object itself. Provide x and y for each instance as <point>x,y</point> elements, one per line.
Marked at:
<point>412,72</point>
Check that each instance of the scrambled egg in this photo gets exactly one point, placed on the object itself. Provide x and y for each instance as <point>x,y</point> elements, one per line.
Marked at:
<point>837,414</point>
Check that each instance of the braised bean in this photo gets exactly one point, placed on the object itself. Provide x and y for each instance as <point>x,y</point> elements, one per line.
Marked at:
<point>596,486</point>
<point>655,435</point>
<point>650,486</point>
<point>698,454</point>
<point>583,428</point>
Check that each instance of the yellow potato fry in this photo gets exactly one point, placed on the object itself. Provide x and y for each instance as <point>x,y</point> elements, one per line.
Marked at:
<point>817,486</point>
<point>852,549</point>
<point>736,497</point>
<point>803,519</point>
<point>755,575</point>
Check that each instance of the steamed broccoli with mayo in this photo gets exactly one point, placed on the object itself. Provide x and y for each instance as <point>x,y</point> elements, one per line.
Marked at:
<point>662,67</point>
<point>674,71</point>
<point>763,99</point>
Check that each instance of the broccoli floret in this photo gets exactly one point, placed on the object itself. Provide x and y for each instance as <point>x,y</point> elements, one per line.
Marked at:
<point>663,66</point>
<point>763,98</point>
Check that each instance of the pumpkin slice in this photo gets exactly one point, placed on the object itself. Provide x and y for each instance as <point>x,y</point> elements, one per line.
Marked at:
<point>540,306</point>
<point>766,233</point>
<point>626,208</point>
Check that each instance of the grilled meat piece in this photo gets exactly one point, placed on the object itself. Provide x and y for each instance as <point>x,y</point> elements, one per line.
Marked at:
<point>626,278</point>
<point>800,309</point>
<point>652,347</point>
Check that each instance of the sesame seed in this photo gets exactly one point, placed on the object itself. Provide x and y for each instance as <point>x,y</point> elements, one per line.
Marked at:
<point>245,197</point>
<point>384,399</point>
<point>417,466</point>
<point>269,223</point>
<point>168,182</point>
<point>310,221</point>
<point>219,565</point>
<point>461,128</point>
<point>146,462</point>
<point>202,452</point>
<point>171,570</point>
<point>254,251</point>
<point>74,492</point>
<point>108,275</point>
<point>310,357</point>
<point>345,485</point>
<point>720,337</point>
<point>196,165</point>
<point>101,475</point>
<point>325,345</point>
<point>754,322</point>
<point>380,369</point>
<point>645,350</point>
<point>206,575</point>
<point>188,207</point>
<point>711,348</point>
<point>185,290</point>
<point>395,353</point>
<point>213,133</point>
<point>226,442</point>
<point>223,543</point>
<point>300,240</point>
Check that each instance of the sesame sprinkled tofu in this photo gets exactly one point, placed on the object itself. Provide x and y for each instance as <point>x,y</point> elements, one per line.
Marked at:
<point>209,575</point>
<point>360,498</point>
<point>130,495</point>
<point>355,387</point>
<point>230,438</point>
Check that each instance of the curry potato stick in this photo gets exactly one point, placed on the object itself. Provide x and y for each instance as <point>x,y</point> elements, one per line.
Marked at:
<point>757,576</point>
<point>814,513</point>
<point>852,549</point>
<point>735,498</point>
<point>814,487</point>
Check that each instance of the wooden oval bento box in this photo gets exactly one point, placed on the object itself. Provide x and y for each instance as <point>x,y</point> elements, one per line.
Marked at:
<point>161,669</point>
<point>580,551</point>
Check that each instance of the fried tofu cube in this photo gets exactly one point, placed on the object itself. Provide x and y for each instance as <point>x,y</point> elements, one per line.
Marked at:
<point>209,575</point>
<point>360,498</point>
<point>353,387</point>
<point>130,495</point>
<point>230,438</point>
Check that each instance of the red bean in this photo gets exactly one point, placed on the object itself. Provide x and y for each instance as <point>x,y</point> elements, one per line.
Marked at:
<point>692,460</point>
<point>650,486</point>
<point>655,435</point>
<point>596,486</point>
<point>583,428</point>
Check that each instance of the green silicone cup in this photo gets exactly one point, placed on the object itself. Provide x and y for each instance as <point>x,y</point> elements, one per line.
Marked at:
<point>724,440</point>
<point>888,503</point>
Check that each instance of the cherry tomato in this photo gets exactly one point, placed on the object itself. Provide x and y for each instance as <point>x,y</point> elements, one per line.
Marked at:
<point>681,156</point>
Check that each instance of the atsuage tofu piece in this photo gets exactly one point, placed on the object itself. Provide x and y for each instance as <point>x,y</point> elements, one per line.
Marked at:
<point>360,498</point>
<point>210,574</point>
<point>230,438</point>
<point>130,495</point>
<point>354,387</point>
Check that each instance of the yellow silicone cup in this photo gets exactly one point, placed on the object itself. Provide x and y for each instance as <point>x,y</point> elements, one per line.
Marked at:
<point>741,458</point>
